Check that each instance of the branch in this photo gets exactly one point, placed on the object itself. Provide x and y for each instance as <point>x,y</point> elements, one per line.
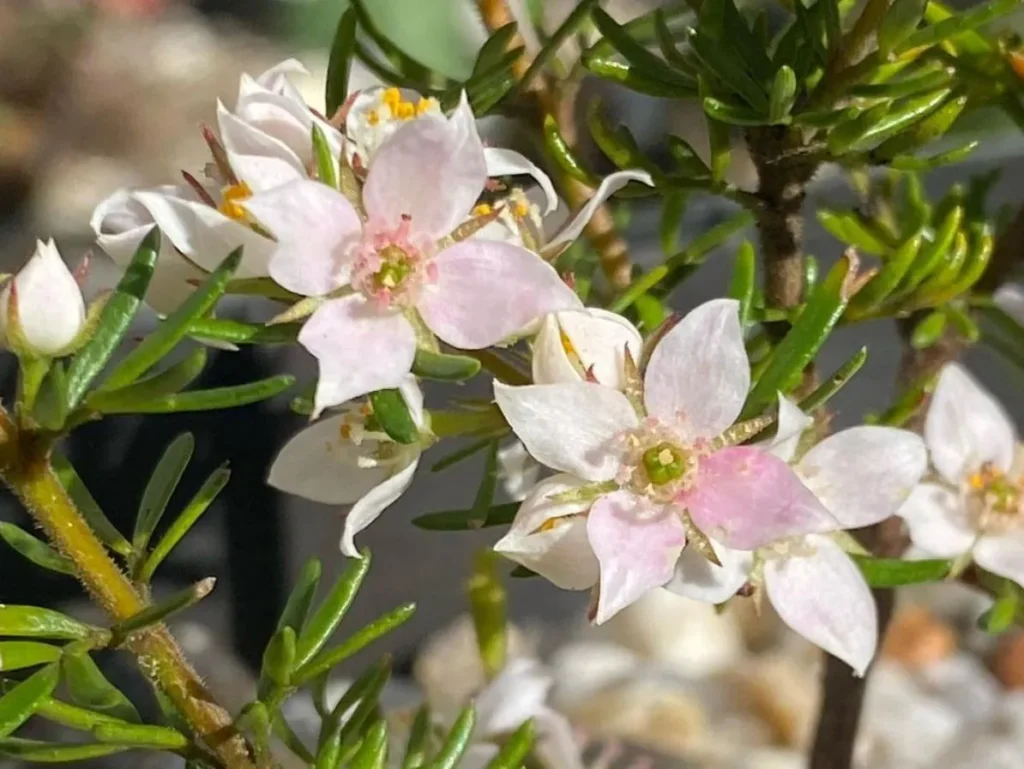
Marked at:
<point>25,468</point>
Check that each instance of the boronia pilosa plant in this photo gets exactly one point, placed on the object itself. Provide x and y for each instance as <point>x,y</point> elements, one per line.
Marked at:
<point>691,452</point>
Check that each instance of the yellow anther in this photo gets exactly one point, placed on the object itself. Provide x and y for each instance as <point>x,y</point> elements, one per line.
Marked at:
<point>346,431</point>
<point>483,209</point>
<point>426,104</point>
<point>566,343</point>
<point>231,198</point>
<point>977,481</point>
<point>372,117</point>
<point>392,97</point>
<point>551,524</point>
<point>404,110</point>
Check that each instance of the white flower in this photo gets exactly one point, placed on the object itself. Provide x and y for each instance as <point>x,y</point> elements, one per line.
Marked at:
<point>974,506</point>
<point>44,301</point>
<point>584,345</point>
<point>343,460</point>
<point>517,471</point>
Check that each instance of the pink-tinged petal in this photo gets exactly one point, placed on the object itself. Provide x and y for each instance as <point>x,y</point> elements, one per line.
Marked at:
<point>431,170</point>
<point>698,578</point>
<point>1002,554</point>
<point>276,115</point>
<point>599,340</point>
<point>206,236</point>
<point>699,374</point>
<point>276,78</point>
<point>359,348</point>
<point>377,500</point>
<point>966,426</point>
<point>315,227</point>
<point>746,498</point>
<point>272,161</point>
<point>486,291</point>
<point>824,598</point>
<point>637,544</point>
<point>1010,299</point>
<point>863,475</point>
<point>518,693</point>
<point>570,427</point>
<point>560,552</point>
<point>120,223</point>
<point>790,427</point>
<point>608,187</point>
<point>504,162</point>
<point>321,465</point>
<point>937,521</point>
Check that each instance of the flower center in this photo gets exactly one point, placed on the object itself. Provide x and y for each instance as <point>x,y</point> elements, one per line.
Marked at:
<point>995,499</point>
<point>231,199</point>
<point>359,427</point>
<point>656,462</point>
<point>389,269</point>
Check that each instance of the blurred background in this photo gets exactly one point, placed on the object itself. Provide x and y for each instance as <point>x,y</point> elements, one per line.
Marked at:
<point>112,94</point>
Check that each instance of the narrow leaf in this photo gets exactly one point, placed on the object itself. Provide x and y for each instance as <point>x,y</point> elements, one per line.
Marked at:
<point>171,380</point>
<point>160,487</point>
<point>744,275</point>
<point>301,599</point>
<point>513,753</point>
<point>141,736</point>
<point>488,607</point>
<point>209,400</point>
<point>962,21</point>
<point>326,170</point>
<point>89,688</point>
<point>339,63</point>
<point>417,746</point>
<point>36,752</point>
<point>237,332</point>
<point>374,748</point>
<point>573,22</point>
<point>333,609</point>
<point>783,94</point>
<point>17,655</point>
<point>18,705</point>
<point>872,295</point>
<point>558,149</point>
<point>35,550</point>
<point>898,23</point>
<point>393,415</point>
<point>480,511</point>
<point>459,520</point>
<point>161,610</point>
<point>456,742</point>
<point>88,506</point>
<point>37,622</point>
<point>893,572</point>
<point>447,368</point>
<point>278,659</point>
<point>928,330</point>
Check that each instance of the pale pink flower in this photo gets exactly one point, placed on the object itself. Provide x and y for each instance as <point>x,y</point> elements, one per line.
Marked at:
<point>422,184</point>
<point>590,343</point>
<point>973,507</point>
<point>861,476</point>
<point>340,460</point>
<point>640,476</point>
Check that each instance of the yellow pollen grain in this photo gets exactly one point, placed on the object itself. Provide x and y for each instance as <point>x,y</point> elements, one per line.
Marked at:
<point>483,210</point>
<point>424,105</point>
<point>566,343</point>
<point>521,208</point>
<point>392,97</point>
<point>404,110</point>
<point>976,481</point>
<point>231,198</point>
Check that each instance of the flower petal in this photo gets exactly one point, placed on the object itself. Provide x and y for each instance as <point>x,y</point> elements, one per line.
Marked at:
<point>937,521</point>
<point>609,186</point>
<point>598,339</point>
<point>359,349</point>
<point>504,162</point>
<point>320,465</point>
<point>746,498</point>
<point>517,470</point>
<point>1010,299</point>
<point>1002,555</point>
<point>486,291</point>
<point>699,373</point>
<point>314,225</point>
<point>862,475</point>
<point>260,160</point>
<point>637,545</point>
<point>790,427</point>
<point>206,236</point>
<point>376,501</point>
<point>698,578</point>
<point>570,427</point>
<point>431,170</point>
<point>556,746</point>
<point>560,552</point>
<point>516,694</point>
<point>966,426</point>
<point>120,223</point>
<point>824,598</point>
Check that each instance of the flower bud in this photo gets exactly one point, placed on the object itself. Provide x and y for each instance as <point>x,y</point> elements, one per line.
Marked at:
<point>577,345</point>
<point>41,308</point>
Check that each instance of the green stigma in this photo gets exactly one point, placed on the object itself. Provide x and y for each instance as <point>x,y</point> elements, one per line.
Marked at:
<point>664,463</point>
<point>394,270</point>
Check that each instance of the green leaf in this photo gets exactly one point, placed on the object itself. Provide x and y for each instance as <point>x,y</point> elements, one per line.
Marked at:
<point>117,316</point>
<point>627,75</point>
<point>720,148</point>
<point>563,154</point>
<point>392,413</point>
<point>35,550</point>
<point>481,509</point>
<point>329,658</point>
<point>650,312</point>
<point>962,21</point>
<point>744,276</point>
<point>36,752</point>
<point>898,23</point>
<point>1001,615</point>
<point>672,212</point>
<point>848,228</point>
<point>931,128</point>
<point>37,622</point>
<point>979,254</point>
<point>174,328</point>
<point>494,48</point>
<point>18,705</point>
<point>719,110</point>
<point>893,572</point>
<point>938,160</point>
<point>326,171</point>
<point>87,505</point>
<point>823,310</point>
<point>17,655</point>
<point>639,58</point>
<point>488,608</point>
<point>447,368</point>
<point>417,745</point>
<point>141,736</point>
<point>296,609</point>
<point>333,609</point>
<point>358,702</point>
<point>869,130</point>
<point>340,62</point>
<point>566,29</point>
<point>207,400</point>
<point>617,144</point>
<point>68,715</point>
<point>89,688</point>
<point>279,657</point>
<point>834,383</point>
<point>160,487</point>
<point>456,741</point>
<point>458,455</point>
<point>931,254</point>
<point>729,71</point>
<point>513,753</point>
<point>872,295</point>
<point>963,323</point>
<point>783,94</point>
<point>928,330</point>
<point>160,611</point>
<point>459,520</point>
<point>188,517</point>
<point>374,748</point>
<point>173,379</point>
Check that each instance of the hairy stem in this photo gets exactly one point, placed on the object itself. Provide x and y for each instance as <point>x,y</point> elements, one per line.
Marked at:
<point>25,468</point>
